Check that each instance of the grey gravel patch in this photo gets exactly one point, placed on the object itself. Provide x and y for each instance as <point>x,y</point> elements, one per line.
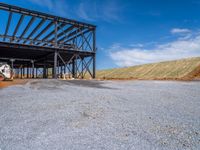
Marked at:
<point>54,114</point>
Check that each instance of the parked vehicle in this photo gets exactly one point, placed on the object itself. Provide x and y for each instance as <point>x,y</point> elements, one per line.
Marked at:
<point>6,72</point>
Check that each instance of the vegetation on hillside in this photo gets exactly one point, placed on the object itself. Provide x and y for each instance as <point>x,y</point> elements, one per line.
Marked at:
<point>179,69</point>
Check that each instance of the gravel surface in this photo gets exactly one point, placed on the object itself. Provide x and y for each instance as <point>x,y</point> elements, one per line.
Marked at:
<point>80,115</point>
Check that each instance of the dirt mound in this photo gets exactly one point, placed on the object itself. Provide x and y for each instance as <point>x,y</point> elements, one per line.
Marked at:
<point>195,74</point>
<point>4,84</point>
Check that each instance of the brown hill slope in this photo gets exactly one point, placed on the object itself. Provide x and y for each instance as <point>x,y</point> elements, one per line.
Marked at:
<point>184,69</point>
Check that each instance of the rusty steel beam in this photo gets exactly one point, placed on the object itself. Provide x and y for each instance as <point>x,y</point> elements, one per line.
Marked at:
<point>8,24</point>
<point>44,30</point>
<point>35,29</point>
<point>18,25</point>
<point>27,27</point>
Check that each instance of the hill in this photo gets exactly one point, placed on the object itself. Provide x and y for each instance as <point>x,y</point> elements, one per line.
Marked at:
<point>184,69</point>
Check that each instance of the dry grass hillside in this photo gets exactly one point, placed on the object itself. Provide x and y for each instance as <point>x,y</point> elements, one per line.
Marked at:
<point>184,69</point>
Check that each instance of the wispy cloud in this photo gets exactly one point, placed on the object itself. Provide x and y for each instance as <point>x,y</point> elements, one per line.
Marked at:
<point>111,10</point>
<point>180,31</point>
<point>59,7</point>
<point>82,13</point>
<point>89,10</point>
<point>180,48</point>
<point>99,10</point>
<point>150,13</point>
<point>47,3</point>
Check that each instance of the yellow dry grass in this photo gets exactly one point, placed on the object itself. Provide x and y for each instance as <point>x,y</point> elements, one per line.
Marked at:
<point>178,69</point>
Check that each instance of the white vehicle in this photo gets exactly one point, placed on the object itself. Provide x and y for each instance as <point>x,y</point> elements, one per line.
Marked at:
<point>5,72</point>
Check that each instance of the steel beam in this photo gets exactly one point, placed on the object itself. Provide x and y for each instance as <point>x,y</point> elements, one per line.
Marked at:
<point>85,39</point>
<point>52,33</point>
<point>35,29</point>
<point>64,32</point>
<point>83,42</point>
<point>14,59</point>
<point>44,30</point>
<point>8,25</point>
<point>44,49</point>
<point>18,25</point>
<point>27,27</point>
<point>61,34</point>
<point>86,67</point>
<point>71,34</point>
<point>68,40</point>
<point>24,11</point>
<point>56,35</point>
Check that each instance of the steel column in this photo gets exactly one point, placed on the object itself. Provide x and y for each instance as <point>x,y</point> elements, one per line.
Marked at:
<point>36,73</point>
<point>55,64</point>
<point>44,70</point>
<point>56,52</point>
<point>23,71</point>
<point>27,71</point>
<point>20,69</point>
<point>94,56</point>
<point>73,68</point>
<point>32,69</point>
<point>12,67</point>
<point>47,72</point>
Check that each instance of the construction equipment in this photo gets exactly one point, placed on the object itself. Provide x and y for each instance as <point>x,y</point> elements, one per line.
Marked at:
<point>6,72</point>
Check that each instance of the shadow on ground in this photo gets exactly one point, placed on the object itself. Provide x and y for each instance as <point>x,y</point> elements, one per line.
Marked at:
<point>55,84</point>
<point>88,83</point>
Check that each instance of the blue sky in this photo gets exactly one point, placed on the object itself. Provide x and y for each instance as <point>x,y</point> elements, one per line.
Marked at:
<point>132,32</point>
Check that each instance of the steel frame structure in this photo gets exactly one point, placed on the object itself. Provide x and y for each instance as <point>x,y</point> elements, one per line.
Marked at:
<point>34,42</point>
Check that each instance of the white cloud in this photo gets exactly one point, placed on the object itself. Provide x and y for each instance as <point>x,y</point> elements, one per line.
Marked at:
<point>180,31</point>
<point>136,45</point>
<point>180,48</point>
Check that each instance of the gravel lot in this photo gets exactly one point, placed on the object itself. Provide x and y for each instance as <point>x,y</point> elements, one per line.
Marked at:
<point>80,115</point>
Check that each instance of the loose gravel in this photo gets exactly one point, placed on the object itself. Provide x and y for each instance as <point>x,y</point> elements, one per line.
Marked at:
<point>80,115</point>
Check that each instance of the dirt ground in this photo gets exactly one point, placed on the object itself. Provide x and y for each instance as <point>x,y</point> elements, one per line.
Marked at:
<point>4,84</point>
